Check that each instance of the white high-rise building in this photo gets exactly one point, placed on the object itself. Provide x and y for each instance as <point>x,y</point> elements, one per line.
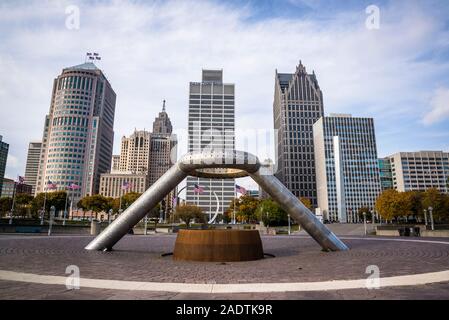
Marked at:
<point>419,171</point>
<point>211,127</point>
<point>347,172</point>
<point>78,131</point>
<point>32,165</point>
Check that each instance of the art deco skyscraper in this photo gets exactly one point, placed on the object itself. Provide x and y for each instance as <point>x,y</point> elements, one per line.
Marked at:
<point>211,126</point>
<point>298,104</point>
<point>78,131</point>
<point>32,165</point>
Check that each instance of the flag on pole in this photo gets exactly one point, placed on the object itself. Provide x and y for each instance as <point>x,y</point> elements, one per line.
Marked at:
<point>240,189</point>
<point>73,186</point>
<point>51,185</point>
<point>126,185</point>
<point>198,189</point>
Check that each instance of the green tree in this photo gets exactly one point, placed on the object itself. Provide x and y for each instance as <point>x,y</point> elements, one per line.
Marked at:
<point>56,199</point>
<point>271,214</point>
<point>415,199</point>
<point>188,212</point>
<point>306,201</point>
<point>245,209</point>
<point>22,204</point>
<point>434,198</point>
<point>96,203</point>
<point>127,200</point>
<point>365,211</point>
<point>5,205</point>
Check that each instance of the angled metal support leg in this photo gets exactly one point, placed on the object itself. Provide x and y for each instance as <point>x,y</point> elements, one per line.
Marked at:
<point>318,231</point>
<point>241,164</point>
<point>131,216</point>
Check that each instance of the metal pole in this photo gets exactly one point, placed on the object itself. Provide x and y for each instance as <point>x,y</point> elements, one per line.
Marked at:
<point>65,207</point>
<point>146,222</point>
<point>431,218</point>
<point>425,217</point>
<point>364,221</point>
<point>43,209</point>
<point>52,216</point>
<point>13,202</point>
<point>289,229</point>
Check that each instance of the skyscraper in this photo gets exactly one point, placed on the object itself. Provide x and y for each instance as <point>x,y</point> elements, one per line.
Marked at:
<point>211,127</point>
<point>32,165</point>
<point>4,148</point>
<point>347,170</point>
<point>298,104</point>
<point>115,166</point>
<point>162,124</point>
<point>78,131</point>
<point>163,154</point>
<point>135,152</point>
<point>144,157</point>
<point>419,171</point>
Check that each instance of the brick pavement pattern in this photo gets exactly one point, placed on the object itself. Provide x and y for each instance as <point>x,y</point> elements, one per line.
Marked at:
<point>297,259</point>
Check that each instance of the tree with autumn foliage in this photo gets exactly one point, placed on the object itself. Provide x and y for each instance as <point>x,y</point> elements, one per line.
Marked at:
<point>189,212</point>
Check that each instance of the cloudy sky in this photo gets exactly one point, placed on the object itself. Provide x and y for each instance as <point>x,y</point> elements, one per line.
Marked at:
<point>151,50</point>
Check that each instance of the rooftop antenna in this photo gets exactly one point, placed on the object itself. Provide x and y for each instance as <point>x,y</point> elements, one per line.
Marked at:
<point>163,106</point>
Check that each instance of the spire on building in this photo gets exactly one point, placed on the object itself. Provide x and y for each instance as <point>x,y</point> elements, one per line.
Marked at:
<point>162,124</point>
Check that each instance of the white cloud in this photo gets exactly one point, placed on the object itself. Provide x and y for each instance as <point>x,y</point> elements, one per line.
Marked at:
<point>439,107</point>
<point>150,52</point>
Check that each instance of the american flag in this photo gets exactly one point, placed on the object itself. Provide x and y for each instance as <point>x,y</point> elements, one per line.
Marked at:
<point>198,189</point>
<point>240,189</point>
<point>73,186</point>
<point>20,180</point>
<point>127,185</point>
<point>51,185</point>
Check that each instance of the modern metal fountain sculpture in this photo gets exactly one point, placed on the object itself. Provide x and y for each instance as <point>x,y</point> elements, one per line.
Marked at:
<point>217,164</point>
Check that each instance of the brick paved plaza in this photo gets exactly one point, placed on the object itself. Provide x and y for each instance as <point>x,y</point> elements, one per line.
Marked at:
<point>297,259</point>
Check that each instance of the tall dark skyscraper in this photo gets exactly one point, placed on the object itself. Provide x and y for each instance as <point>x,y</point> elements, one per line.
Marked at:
<point>4,148</point>
<point>298,104</point>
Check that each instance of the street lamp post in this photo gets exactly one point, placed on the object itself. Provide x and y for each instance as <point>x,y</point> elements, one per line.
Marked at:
<point>52,216</point>
<point>146,223</point>
<point>13,203</point>
<point>425,217</point>
<point>110,215</point>
<point>65,207</point>
<point>364,221</point>
<point>43,209</point>
<point>289,227</point>
<point>431,218</point>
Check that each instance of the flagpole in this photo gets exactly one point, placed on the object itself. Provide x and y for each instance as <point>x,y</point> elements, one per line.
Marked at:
<point>65,207</point>
<point>43,210</point>
<point>13,202</point>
